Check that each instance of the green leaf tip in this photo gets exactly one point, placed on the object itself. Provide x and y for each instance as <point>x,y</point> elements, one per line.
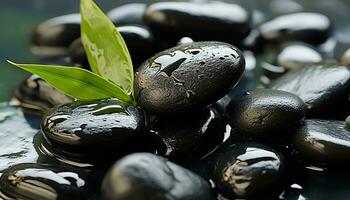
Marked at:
<point>106,50</point>
<point>76,82</point>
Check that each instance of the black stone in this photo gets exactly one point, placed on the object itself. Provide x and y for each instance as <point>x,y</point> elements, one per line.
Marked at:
<point>35,94</point>
<point>45,182</point>
<point>320,86</point>
<point>95,128</point>
<point>187,136</point>
<point>53,37</point>
<point>202,21</point>
<point>313,28</point>
<point>128,14</point>
<point>144,176</point>
<point>323,142</point>
<point>249,171</point>
<point>188,76</point>
<point>263,113</point>
<point>138,39</point>
<point>297,55</point>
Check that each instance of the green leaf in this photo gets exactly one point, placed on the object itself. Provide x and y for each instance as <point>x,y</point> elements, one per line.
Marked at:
<point>76,82</point>
<point>106,50</point>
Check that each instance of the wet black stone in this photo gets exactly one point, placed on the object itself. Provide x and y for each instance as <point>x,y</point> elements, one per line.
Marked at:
<point>35,94</point>
<point>248,171</point>
<point>320,86</point>
<point>323,142</point>
<point>312,28</point>
<point>229,22</point>
<point>95,128</point>
<point>187,136</point>
<point>263,113</point>
<point>128,14</point>
<point>53,37</point>
<point>188,76</point>
<point>138,39</point>
<point>297,55</point>
<point>46,182</point>
<point>145,176</point>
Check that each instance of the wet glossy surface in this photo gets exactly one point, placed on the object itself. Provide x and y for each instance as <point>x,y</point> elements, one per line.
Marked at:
<point>137,39</point>
<point>128,14</point>
<point>35,94</point>
<point>95,128</point>
<point>53,37</point>
<point>188,136</point>
<point>263,113</point>
<point>188,76</point>
<point>323,142</point>
<point>16,133</point>
<point>248,171</point>
<point>229,22</point>
<point>320,86</point>
<point>297,55</point>
<point>44,182</point>
<point>146,177</point>
<point>312,28</point>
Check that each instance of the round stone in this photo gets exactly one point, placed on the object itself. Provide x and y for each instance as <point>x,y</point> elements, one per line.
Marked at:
<point>187,77</point>
<point>230,22</point>
<point>308,27</point>
<point>249,171</point>
<point>320,86</point>
<point>46,182</point>
<point>95,128</point>
<point>294,56</point>
<point>323,142</point>
<point>35,94</point>
<point>53,37</point>
<point>145,176</point>
<point>263,113</point>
